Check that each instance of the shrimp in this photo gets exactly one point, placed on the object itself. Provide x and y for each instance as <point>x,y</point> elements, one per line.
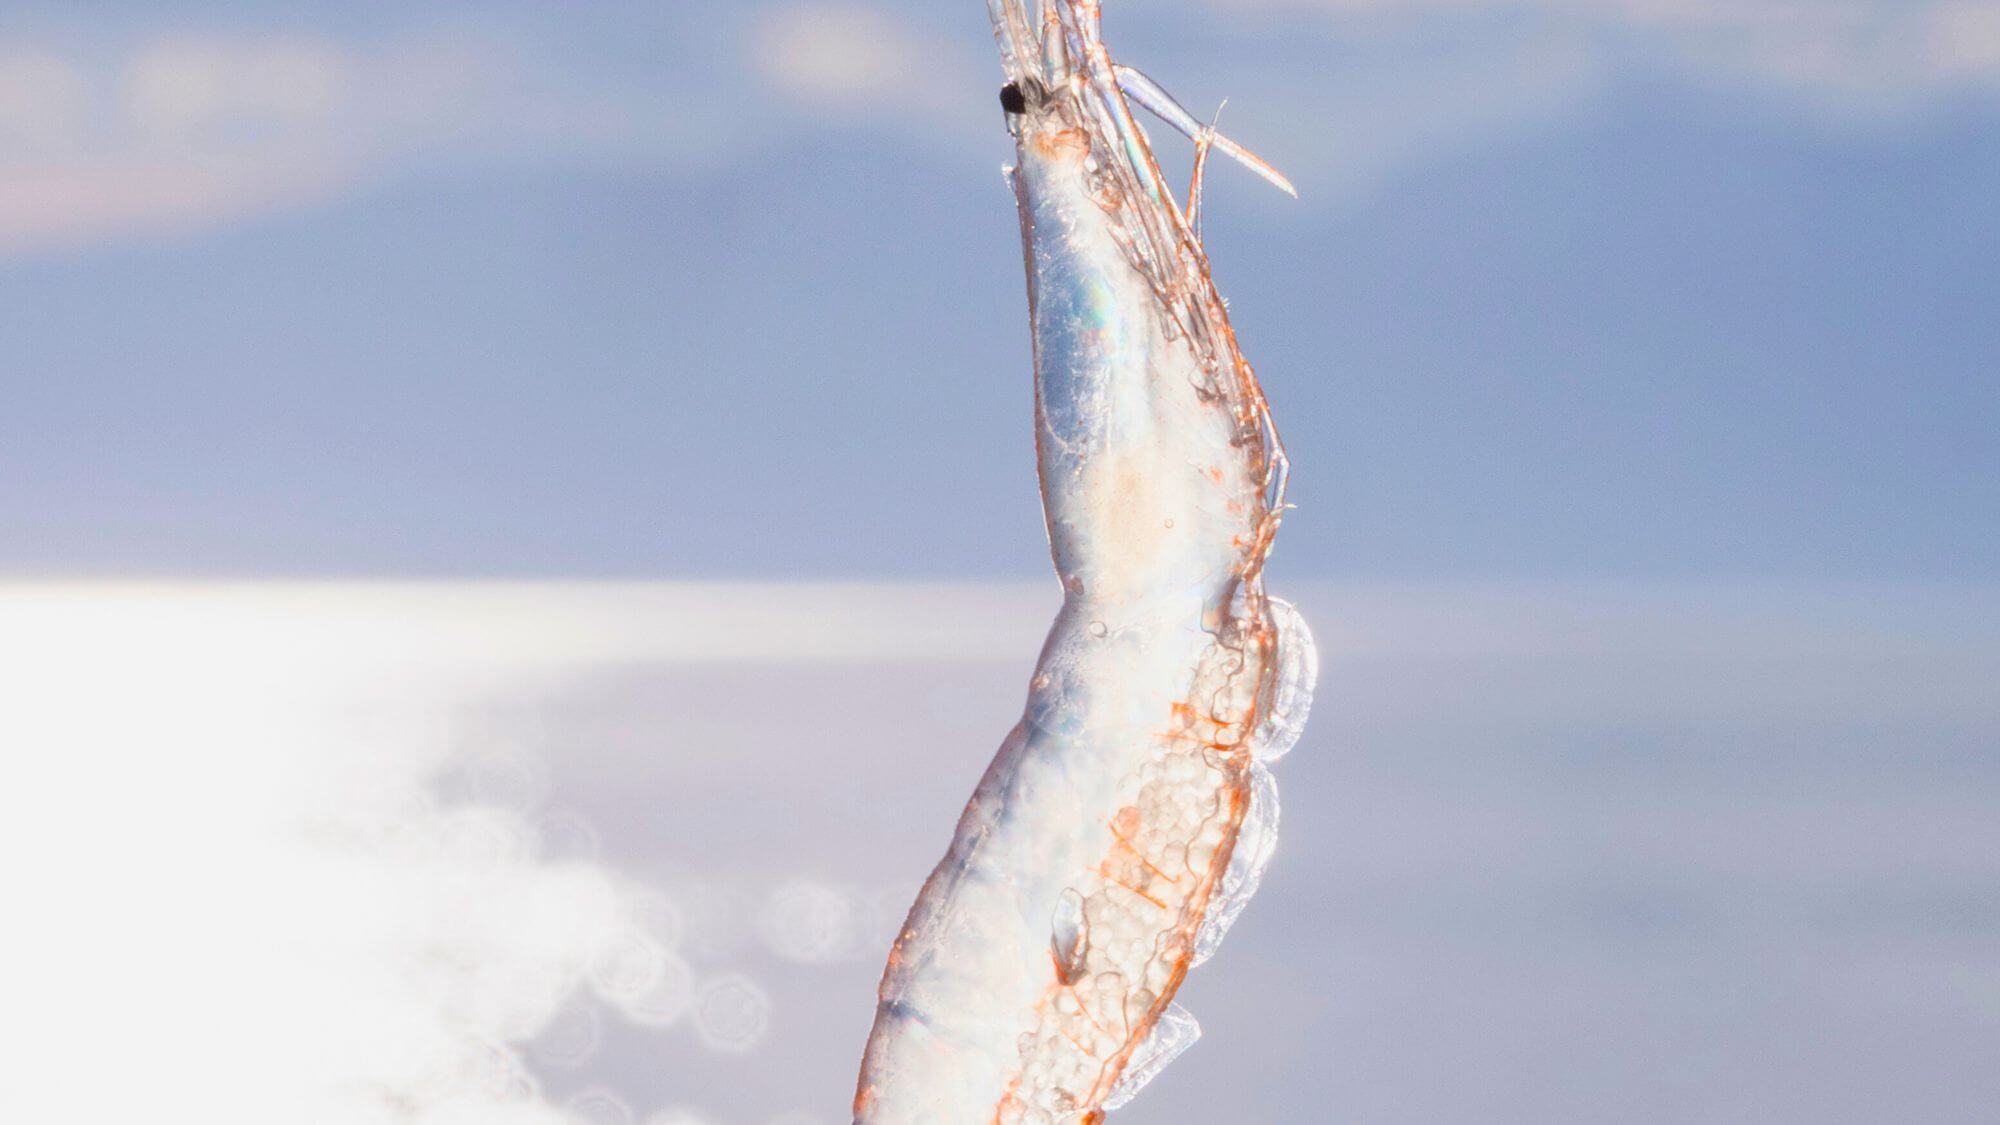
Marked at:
<point>1128,816</point>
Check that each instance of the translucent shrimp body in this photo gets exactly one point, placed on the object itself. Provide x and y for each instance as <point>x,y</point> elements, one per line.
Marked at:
<point>1127,816</point>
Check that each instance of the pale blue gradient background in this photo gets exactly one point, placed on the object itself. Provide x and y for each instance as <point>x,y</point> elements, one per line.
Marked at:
<point>1564,297</point>
<point>1636,360</point>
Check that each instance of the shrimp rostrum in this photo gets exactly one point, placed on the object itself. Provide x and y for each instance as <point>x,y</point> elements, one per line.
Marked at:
<point>1127,818</point>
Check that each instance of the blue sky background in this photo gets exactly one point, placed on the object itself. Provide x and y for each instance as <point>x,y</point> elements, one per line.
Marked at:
<point>1636,289</point>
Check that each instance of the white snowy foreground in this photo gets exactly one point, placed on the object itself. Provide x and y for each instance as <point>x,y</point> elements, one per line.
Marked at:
<point>623,854</point>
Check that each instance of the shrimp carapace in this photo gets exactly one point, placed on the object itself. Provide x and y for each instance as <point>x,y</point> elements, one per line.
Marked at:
<point>1129,814</point>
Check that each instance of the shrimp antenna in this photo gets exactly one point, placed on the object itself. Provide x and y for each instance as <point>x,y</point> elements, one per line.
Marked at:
<point>1202,144</point>
<point>1162,105</point>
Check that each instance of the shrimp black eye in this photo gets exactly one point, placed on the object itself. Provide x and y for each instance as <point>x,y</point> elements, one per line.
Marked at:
<point>1012,100</point>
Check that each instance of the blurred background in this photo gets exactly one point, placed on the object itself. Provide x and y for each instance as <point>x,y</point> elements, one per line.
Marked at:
<point>518,534</point>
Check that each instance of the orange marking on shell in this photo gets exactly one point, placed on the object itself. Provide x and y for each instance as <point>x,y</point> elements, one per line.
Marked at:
<point>1085,1009</point>
<point>1201,730</point>
<point>1125,822</point>
<point>1074,1043</point>
<point>1135,890</point>
<point>1137,854</point>
<point>1181,963</point>
<point>1055,142</point>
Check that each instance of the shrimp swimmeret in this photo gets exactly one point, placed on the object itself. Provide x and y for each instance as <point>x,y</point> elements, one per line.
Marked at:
<point>1127,818</point>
